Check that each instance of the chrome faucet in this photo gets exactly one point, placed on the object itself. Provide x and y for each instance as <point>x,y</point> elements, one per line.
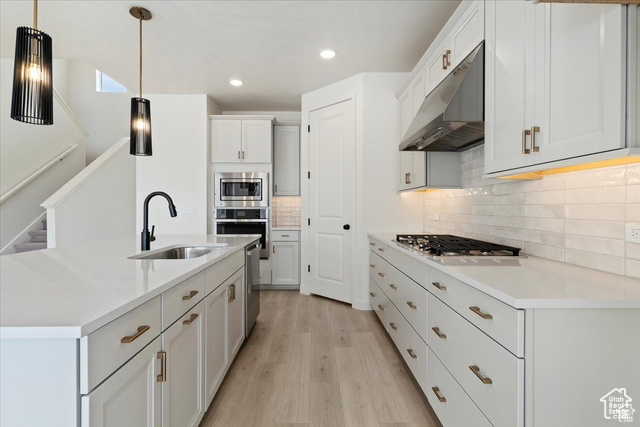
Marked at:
<point>146,238</point>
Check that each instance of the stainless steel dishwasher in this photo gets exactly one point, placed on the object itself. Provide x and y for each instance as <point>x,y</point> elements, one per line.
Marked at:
<point>252,274</point>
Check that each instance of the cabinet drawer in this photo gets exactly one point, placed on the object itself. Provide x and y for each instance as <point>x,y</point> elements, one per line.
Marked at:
<point>179,299</point>
<point>379,302</point>
<point>221,271</point>
<point>413,350</point>
<point>103,351</point>
<point>506,324</point>
<point>417,270</point>
<point>396,325</point>
<point>410,299</point>
<point>379,270</point>
<point>284,235</point>
<point>448,400</point>
<point>491,376</point>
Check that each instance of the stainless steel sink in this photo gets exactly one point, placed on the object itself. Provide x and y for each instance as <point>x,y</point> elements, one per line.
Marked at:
<point>179,252</point>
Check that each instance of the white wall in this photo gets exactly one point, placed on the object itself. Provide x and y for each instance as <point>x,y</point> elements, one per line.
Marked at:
<point>378,205</point>
<point>104,115</point>
<point>98,203</point>
<point>179,165</point>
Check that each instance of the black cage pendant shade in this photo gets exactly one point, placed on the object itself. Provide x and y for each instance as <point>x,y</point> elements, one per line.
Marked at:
<point>140,134</point>
<point>32,95</point>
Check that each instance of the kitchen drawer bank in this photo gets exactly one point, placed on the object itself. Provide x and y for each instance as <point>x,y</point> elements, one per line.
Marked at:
<point>149,366</point>
<point>482,364</point>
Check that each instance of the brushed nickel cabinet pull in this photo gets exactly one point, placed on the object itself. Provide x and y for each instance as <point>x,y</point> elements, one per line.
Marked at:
<point>285,235</point>
<point>412,354</point>
<point>394,287</point>
<point>440,397</point>
<point>380,307</point>
<point>525,150</point>
<point>444,61</point>
<point>438,333</point>
<point>162,355</point>
<point>381,249</point>
<point>372,294</point>
<point>243,155</point>
<point>477,311</point>
<point>409,175</point>
<point>439,286</point>
<point>411,306</point>
<point>447,55</point>
<point>232,292</point>
<point>190,320</point>
<point>141,330</point>
<point>476,370</point>
<point>534,130</point>
<point>393,326</point>
<point>372,244</point>
<point>238,155</point>
<point>274,249</point>
<point>380,274</point>
<point>191,295</point>
<point>372,265</point>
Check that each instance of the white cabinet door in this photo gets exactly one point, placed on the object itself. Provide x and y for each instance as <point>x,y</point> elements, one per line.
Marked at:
<point>406,169</point>
<point>130,397</point>
<point>467,34</point>
<point>286,164</point>
<point>183,390</point>
<point>406,111</point>
<point>235,299</point>
<point>226,141</point>
<point>438,67</point>
<point>417,93</point>
<point>256,141</point>
<point>216,341</point>
<point>580,111</point>
<point>286,263</point>
<point>508,83</point>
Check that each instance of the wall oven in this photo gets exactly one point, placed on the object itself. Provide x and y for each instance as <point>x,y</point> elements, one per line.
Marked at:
<point>245,221</point>
<point>241,189</point>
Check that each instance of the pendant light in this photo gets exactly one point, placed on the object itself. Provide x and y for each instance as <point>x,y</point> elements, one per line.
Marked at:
<point>140,135</point>
<point>32,96</point>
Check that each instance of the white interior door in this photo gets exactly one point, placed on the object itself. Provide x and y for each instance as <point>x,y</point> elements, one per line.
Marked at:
<point>332,199</point>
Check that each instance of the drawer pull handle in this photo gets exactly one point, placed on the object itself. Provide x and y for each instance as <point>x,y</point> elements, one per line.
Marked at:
<point>372,244</point>
<point>285,235</point>
<point>381,249</point>
<point>372,294</point>
<point>411,306</point>
<point>393,326</point>
<point>477,311</point>
<point>380,307</point>
<point>162,355</point>
<point>372,265</point>
<point>440,397</point>
<point>190,320</point>
<point>141,330</point>
<point>476,370</point>
<point>381,274</point>
<point>191,295</point>
<point>412,354</point>
<point>439,286</point>
<point>438,333</point>
<point>394,287</point>
<point>232,292</point>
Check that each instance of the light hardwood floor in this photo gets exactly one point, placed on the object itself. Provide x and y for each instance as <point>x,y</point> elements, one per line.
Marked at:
<point>311,361</point>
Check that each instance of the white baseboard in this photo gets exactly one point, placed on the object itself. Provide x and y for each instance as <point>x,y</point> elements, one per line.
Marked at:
<point>23,237</point>
<point>362,304</point>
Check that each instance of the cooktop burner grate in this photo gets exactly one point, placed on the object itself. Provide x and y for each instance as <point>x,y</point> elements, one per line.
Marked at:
<point>449,245</point>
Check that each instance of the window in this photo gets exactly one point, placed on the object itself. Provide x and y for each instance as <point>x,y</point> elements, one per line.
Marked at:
<point>104,83</point>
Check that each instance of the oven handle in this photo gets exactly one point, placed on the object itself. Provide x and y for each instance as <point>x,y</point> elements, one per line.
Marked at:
<point>265,220</point>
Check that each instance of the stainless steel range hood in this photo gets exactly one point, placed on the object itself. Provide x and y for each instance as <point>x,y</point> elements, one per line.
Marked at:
<point>451,117</point>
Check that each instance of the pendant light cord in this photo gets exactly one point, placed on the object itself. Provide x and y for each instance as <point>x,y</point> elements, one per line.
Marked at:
<point>35,14</point>
<point>140,55</point>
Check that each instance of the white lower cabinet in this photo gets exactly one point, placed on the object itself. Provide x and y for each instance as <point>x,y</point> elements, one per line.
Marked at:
<point>286,262</point>
<point>130,397</point>
<point>216,341</point>
<point>183,379</point>
<point>235,300</point>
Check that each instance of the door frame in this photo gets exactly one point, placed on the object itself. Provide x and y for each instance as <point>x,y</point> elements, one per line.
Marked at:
<point>310,103</point>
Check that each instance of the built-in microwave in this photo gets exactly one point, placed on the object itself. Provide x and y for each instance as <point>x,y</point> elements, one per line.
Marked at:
<point>241,189</point>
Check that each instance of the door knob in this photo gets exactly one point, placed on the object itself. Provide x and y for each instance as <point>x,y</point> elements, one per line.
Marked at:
<point>346,227</point>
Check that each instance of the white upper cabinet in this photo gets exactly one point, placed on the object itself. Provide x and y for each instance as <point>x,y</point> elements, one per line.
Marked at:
<point>241,140</point>
<point>555,82</point>
<point>286,161</point>
<point>406,111</point>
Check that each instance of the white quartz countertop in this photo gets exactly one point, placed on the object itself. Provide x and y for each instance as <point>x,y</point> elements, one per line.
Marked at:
<point>71,292</point>
<point>533,282</point>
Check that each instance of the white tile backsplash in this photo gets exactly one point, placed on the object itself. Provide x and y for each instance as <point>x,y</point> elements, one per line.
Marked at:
<point>285,212</point>
<point>577,218</point>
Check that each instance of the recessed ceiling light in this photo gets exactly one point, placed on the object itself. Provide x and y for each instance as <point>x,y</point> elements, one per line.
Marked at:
<point>328,53</point>
<point>235,82</point>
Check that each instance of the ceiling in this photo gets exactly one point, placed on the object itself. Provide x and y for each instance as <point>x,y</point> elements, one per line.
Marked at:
<point>273,46</point>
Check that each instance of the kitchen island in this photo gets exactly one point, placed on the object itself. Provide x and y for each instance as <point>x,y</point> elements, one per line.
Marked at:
<point>91,337</point>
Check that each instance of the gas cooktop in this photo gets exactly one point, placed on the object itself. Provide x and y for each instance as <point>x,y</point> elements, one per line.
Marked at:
<point>441,245</point>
